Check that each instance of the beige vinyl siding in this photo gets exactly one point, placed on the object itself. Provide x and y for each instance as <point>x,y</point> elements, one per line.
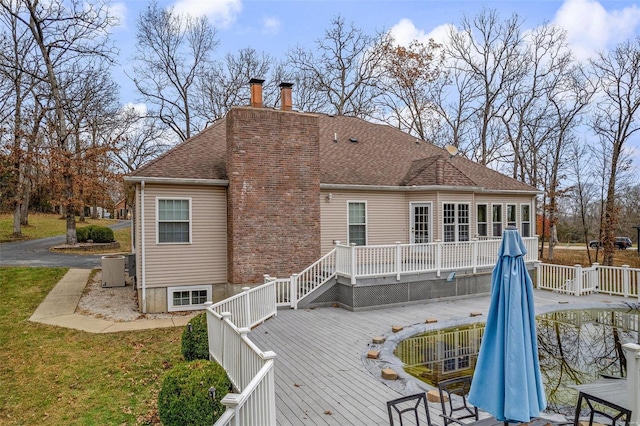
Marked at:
<point>204,259</point>
<point>387,216</point>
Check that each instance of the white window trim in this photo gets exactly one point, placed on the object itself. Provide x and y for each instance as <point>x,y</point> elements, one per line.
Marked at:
<point>456,222</point>
<point>158,199</point>
<point>172,308</point>
<point>487,221</point>
<point>366,221</point>
<point>523,221</point>
<point>431,230</point>
<point>502,213</point>
<point>515,209</point>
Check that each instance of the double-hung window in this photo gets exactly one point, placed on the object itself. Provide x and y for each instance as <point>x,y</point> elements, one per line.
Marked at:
<point>455,219</point>
<point>174,220</point>
<point>511,215</point>
<point>357,222</point>
<point>482,220</point>
<point>525,217</point>
<point>496,218</point>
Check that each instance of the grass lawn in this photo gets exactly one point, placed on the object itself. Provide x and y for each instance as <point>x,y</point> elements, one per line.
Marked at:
<point>43,225</point>
<point>574,257</point>
<point>57,376</point>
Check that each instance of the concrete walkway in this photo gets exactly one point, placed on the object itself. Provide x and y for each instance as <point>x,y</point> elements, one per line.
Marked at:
<point>59,307</point>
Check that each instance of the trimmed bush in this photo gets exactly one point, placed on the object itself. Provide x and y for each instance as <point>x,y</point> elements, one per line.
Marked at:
<point>184,397</point>
<point>195,343</point>
<point>81,234</point>
<point>102,234</point>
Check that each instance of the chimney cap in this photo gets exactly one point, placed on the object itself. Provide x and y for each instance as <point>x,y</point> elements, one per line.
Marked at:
<point>284,85</point>
<point>256,81</point>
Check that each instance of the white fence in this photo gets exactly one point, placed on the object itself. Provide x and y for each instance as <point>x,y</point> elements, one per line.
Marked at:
<point>398,259</point>
<point>577,280</point>
<point>248,368</point>
<point>401,259</point>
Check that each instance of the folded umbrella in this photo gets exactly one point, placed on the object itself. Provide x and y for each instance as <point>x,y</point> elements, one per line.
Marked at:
<point>506,382</point>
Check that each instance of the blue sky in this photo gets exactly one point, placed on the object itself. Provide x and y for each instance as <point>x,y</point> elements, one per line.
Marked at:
<point>275,26</point>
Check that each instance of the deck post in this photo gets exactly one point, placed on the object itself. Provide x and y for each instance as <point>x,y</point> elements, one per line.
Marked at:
<point>474,245</point>
<point>398,260</point>
<point>625,280</point>
<point>438,257</point>
<point>632,353</point>
<point>577,280</point>
<point>353,263</point>
<point>247,306</point>
<point>293,290</point>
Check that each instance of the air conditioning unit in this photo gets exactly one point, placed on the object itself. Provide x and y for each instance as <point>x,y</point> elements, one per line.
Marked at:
<point>113,271</point>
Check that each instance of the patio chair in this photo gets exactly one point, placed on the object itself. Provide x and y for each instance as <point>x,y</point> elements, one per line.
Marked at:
<point>453,397</point>
<point>599,409</point>
<point>412,403</point>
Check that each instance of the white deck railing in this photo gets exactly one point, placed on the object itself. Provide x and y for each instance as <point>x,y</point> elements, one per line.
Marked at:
<point>402,259</point>
<point>249,369</point>
<point>577,280</point>
<point>398,259</point>
<point>289,291</point>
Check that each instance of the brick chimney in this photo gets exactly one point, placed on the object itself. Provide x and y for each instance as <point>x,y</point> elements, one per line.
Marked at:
<point>273,202</point>
<point>256,92</point>
<point>285,96</point>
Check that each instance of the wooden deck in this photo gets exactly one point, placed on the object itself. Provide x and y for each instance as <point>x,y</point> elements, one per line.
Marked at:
<point>320,375</point>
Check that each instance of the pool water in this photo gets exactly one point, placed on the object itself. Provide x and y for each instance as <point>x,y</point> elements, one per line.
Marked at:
<point>574,347</point>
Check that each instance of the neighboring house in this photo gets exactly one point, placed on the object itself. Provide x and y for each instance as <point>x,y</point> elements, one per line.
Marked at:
<point>122,210</point>
<point>267,191</point>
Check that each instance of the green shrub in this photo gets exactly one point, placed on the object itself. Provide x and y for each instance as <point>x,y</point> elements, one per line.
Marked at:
<point>82,234</point>
<point>195,343</point>
<point>102,234</point>
<point>184,397</point>
<point>85,233</point>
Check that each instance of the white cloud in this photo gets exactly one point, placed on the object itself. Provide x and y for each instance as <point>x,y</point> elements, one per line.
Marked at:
<point>404,32</point>
<point>139,108</point>
<point>119,11</point>
<point>222,13</point>
<point>271,25</point>
<point>590,27</point>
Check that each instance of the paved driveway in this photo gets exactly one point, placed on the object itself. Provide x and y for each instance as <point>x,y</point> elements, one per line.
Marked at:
<point>36,253</point>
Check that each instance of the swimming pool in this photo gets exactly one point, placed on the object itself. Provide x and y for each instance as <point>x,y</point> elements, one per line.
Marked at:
<point>575,347</point>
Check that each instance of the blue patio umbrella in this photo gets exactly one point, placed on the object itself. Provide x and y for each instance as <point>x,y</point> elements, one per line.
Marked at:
<point>507,382</point>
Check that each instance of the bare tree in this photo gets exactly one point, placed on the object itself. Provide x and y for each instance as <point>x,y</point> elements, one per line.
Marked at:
<point>453,98</point>
<point>70,36</point>
<point>173,52</point>
<point>139,139</point>
<point>569,100</point>
<point>225,84</point>
<point>529,114</point>
<point>21,112</point>
<point>344,68</point>
<point>616,120</point>
<point>486,53</point>
<point>582,192</point>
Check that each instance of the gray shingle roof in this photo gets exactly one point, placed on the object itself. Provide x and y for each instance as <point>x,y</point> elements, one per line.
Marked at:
<point>364,153</point>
